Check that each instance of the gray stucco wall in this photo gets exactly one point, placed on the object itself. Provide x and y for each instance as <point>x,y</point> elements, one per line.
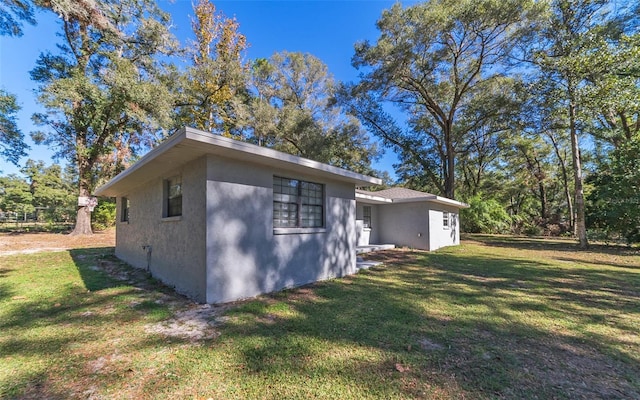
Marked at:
<point>438,235</point>
<point>178,243</point>
<point>244,256</point>
<point>404,224</point>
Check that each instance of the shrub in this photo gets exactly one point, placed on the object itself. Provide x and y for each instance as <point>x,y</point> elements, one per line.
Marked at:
<point>104,215</point>
<point>484,216</point>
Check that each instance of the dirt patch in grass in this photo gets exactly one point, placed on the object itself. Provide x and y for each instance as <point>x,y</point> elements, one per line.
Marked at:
<point>36,242</point>
<point>195,323</point>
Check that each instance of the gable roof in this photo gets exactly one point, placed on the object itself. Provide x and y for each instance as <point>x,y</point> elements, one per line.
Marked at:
<point>189,144</point>
<point>404,195</point>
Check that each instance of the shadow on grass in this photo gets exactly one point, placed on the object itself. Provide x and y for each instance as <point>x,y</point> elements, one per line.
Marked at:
<point>57,315</point>
<point>563,245</point>
<point>490,326</point>
<point>443,324</point>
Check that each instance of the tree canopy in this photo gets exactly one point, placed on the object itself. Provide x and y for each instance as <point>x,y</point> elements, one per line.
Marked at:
<point>102,90</point>
<point>442,62</point>
<point>12,145</point>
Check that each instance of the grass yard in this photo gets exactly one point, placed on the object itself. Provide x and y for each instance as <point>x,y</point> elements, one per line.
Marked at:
<point>493,318</point>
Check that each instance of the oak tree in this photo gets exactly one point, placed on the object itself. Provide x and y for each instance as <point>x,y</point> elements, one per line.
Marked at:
<point>101,89</point>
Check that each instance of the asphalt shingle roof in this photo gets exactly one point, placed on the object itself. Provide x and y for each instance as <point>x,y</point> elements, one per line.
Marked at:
<point>396,193</point>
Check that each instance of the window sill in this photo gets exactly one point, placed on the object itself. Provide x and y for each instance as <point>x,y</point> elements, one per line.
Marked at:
<point>172,219</point>
<point>293,231</point>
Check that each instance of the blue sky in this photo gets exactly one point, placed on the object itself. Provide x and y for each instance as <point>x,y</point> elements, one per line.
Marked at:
<point>327,29</point>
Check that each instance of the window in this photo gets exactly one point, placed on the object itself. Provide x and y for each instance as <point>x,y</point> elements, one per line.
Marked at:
<point>124,210</point>
<point>445,220</point>
<point>297,204</point>
<point>366,216</point>
<point>173,197</point>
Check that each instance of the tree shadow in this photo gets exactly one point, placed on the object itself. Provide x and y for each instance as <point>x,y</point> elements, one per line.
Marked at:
<point>480,337</point>
<point>61,318</point>
<point>421,322</point>
<point>560,245</point>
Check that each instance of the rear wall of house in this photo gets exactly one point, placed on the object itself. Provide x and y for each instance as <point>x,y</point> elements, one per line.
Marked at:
<point>176,245</point>
<point>245,257</point>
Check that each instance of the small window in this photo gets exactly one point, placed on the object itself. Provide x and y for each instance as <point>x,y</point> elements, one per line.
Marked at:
<point>124,210</point>
<point>297,204</point>
<point>366,216</point>
<point>445,220</point>
<point>173,197</point>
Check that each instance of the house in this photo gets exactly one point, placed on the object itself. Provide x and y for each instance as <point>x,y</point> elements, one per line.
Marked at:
<point>221,220</point>
<point>408,218</point>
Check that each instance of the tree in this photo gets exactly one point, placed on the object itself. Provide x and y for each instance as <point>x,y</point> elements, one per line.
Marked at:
<point>612,96</point>
<point>12,145</point>
<point>15,195</point>
<point>49,189</point>
<point>12,13</point>
<point>211,87</point>
<point>574,30</point>
<point>435,60</point>
<point>293,110</point>
<point>615,199</point>
<point>102,89</point>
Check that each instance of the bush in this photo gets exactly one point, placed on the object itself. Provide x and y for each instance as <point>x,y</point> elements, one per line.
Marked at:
<point>484,216</point>
<point>104,215</point>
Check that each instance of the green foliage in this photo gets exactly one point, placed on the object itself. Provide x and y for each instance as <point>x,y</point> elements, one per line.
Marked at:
<point>15,195</point>
<point>485,215</point>
<point>104,215</point>
<point>209,91</point>
<point>12,14</point>
<point>45,192</point>
<point>442,63</point>
<point>614,202</point>
<point>52,191</point>
<point>12,145</point>
<point>292,110</point>
<point>102,90</point>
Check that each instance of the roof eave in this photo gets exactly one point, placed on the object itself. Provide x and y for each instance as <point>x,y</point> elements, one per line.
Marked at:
<point>372,199</point>
<point>236,149</point>
<point>433,199</point>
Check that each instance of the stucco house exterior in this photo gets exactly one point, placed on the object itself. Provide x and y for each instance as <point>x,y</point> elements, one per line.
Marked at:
<point>221,220</point>
<point>407,218</point>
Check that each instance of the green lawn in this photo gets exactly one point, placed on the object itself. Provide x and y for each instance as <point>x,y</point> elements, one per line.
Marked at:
<point>493,318</point>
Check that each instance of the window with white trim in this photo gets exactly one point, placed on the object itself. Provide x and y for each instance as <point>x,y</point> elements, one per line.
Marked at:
<point>297,203</point>
<point>445,220</point>
<point>366,216</point>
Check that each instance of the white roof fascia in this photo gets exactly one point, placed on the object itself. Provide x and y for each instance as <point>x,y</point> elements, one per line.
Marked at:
<point>433,199</point>
<point>373,199</point>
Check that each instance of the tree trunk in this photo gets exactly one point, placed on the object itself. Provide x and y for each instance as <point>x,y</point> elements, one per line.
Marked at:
<point>581,229</point>
<point>449,184</point>
<point>543,202</point>
<point>83,218</point>
<point>83,222</point>
<point>565,182</point>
